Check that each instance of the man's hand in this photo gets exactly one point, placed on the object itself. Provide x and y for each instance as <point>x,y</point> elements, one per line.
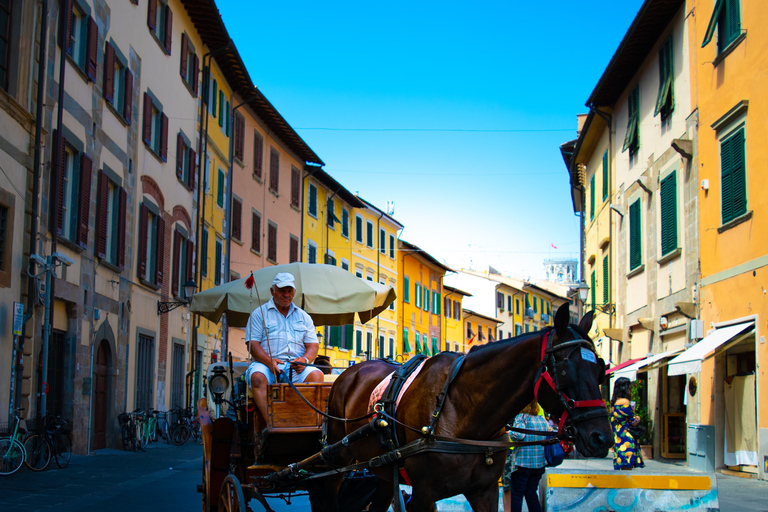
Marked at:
<point>299,364</point>
<point>276,365</point>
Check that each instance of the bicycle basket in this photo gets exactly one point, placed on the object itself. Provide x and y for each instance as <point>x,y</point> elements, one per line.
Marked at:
<point>5,429</point>
<point>123,418</point>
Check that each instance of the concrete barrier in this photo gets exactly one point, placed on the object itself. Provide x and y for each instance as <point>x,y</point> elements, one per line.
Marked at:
<point>628,491</point>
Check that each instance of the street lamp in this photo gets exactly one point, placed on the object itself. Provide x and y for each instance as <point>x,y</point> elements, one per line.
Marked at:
<point>189,291</point>
<point>583,289</point>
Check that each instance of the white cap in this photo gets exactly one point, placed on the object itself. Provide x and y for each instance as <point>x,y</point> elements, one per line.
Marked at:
<point>284,279</point>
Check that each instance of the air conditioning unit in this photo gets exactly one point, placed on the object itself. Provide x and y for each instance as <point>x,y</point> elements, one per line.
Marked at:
<point>697,329</point>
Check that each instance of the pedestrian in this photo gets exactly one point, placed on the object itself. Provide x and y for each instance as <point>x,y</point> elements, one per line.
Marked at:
<point>526,463</point>
<point>285,345</point>
<point>626,453</point>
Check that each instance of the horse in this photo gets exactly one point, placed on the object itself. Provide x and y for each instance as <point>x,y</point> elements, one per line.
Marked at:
<point>494,384</point>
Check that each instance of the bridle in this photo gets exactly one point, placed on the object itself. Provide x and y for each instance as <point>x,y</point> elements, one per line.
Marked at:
<point>560,375</point>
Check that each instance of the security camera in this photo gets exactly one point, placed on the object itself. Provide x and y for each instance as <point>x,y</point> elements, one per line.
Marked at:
<point>39,260</point>
<point>64,260</point>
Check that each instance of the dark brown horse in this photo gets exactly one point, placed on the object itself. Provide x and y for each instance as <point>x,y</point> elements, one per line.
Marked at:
<point>495,382</point>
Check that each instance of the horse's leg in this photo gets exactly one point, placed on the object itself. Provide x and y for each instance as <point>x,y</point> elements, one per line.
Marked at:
<point>331,486</point>
<point>484,500</point>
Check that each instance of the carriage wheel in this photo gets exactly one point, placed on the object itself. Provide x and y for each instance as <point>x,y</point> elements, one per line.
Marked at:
<point>231,498</point>
<point>205,491</point>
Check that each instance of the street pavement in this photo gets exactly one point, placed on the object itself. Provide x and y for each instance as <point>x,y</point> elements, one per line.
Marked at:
<point>164,477</point>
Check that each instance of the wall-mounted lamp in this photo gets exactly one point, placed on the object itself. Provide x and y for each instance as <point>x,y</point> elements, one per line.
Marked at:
<point>189,291</point>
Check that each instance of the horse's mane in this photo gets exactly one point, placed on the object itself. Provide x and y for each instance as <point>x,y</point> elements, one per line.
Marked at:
<point>521,338</point>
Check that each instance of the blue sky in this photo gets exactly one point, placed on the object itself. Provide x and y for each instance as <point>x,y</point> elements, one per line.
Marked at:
<point>454,112</point>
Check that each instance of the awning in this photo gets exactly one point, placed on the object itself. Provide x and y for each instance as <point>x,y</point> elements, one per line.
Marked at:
<point>630,372</point>
<point>690,360</point>
<point>622,365</point>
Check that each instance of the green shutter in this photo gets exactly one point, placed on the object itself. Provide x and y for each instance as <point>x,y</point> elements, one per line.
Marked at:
<point>424,345</point>
<point>349,330</point>
<point>668,195</point>
<point>665,101</point>
<point>605,175</point>
<point>632,137</point>
<point>435,346</point>
<point>592,198</point>
<point>527,303</point>
<point>214,97</point>
<point>606,284</point>
<point>221,108</point>
<point>712,23</point>
<point>593,291</point>
<point>426,299</point>
<point>732,158</point>
<point>635,234</point>
<point>406,290</point>
<point>417,293</point>
<point>437,303</point>
<point>406,345</point>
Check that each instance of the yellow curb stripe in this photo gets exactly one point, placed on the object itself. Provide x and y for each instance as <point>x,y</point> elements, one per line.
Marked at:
<point>622,481</point>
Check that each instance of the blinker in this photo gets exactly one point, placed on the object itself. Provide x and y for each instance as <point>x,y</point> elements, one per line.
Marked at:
<point>566,374</point>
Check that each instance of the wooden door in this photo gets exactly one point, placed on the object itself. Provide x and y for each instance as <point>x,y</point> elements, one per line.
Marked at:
<point>100,372</point>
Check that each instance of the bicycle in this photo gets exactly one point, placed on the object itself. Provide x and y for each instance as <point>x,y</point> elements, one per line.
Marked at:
<point>140,422</point>
<point>151,425</point>
<point>12,452</point>
<point>53,442</point>
<point>128,432</point>
<point>186,426</point>
<point>162,425</point>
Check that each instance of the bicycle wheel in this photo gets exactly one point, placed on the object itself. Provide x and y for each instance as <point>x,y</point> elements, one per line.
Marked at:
<point>38,452</point>
<point>127,438</point>
<point>63,449</point>
<point>180,435</point>
<point>11,455</point>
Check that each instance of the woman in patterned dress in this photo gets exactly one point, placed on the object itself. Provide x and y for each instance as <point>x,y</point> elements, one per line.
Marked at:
<point>626,453</point>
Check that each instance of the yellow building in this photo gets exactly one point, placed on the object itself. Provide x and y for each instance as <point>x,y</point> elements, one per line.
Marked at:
<point>453,322</point>
<point>733,255</point>
<point>328,238</point>
<point>420,302</point>
<point>479,329</point>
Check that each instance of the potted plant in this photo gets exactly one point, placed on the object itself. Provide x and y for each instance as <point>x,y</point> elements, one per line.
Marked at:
<point>645,440</point>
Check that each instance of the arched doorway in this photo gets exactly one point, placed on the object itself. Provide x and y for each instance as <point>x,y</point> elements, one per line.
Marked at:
<point>100,386</point>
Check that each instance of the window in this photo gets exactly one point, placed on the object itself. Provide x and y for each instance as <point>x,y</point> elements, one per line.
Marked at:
<point>635,236</point>
<point>517,306</point>
<point>183,251</point>
<point>406,289</point>
<point>145,358</point>
<point>605,175</point>
<point>424,345</point>
<point>204,252</point>
<point>406,345</point>
<point>73,193</point>
<point>381,345</point>
<point>330,213</point>
<point>312,202</point>
<point>426,299</point>
<point>6,35</point>
<point>345,223</point>
<point>358,342</point>
<point>81,37</point>
<point>606,287</point>
<point>436,302</point>
<point>665,101</point>
<point>218,261</point>
<point>214,95</point>
<point>177,376</point>
<point>110,221</point>
<point>160,23</point>
<point>258,154</point>
<point>369,234</point>
<point>733,175</point>
<point>592,197</point>
<point>186,161</point>
<point>293,249</point>
<point>239,142</point>
<point>417,294</point>
<point>592,291</point>
<point>358,228</point>
<point>155,128</point>
<point>500,300</point>
<point>435,346</point>
<point>727,18</point>
<point>417,341</point>
<point>392,246</point>
<point>469,329</point>
<point>118,83</point>
<point>311,252</point>
<point>382,241</point>
<point>632,138</point>
<point>189,65</point>
<point>535,305</point>
<point>501,334</point>
<point>340,336</point>
<point>274,170</point>
<point>330,259</point>
<point>518,330</point>
<point>237,219</point>
<point>368,343</point>
<point>344,264</point>
<point>220,184</point>
<point>509,304</point>
<point>272,241</point>
<point>151,245</point>
<point>295,187</point>
<point>391,352</point>
<point>490,334</point>
<point>447,307</point>
<point>668,198</point>
<point>255,231</point>
<point>456,310</point>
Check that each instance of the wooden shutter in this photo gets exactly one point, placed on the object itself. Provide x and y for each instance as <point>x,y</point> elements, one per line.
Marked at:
<point>295,187</point>
<point>274,170</point>
<point>312,199</point>
<point>606,284</point>
<point>734,200</point>
<point>128,103</point>
<point>168,28</point>
<point>195,71</point>
<point>60,155</point>
<point>293,250</point>
<point>272,241</point>
<point>255,231</point>
<point>143,234</point>
<point>190,258</point>
<point>121,234</point>
<point>109,73</point>
<point>605,175</point>
<point>160,254</point>
<point>239,137</point>
<point>258,154</point>
<point>635,231</point>
<point>221,108</point>
<point>86,175</point>
<point>183,57</point>
<point>164,137</point>
<point>593,290</point>
<point>237,211</point>
<point>67,23</point>
<point>592,198</point>
<point>179,156</point>
<point>152,15</point>
<point>147,129</point>
<point>176,263</point>
<point>213,96</point>
<point>102,217</point>
<point>92,49</point>
<point>192,168</point>
<point>668,198</point>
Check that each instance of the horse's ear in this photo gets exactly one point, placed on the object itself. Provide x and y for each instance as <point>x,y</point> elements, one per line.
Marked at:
<point>586,321</point>
<point>562,317</point>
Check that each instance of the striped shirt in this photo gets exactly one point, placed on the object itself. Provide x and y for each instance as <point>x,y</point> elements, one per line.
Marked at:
<point>287,335</point>
<point>529,456</point>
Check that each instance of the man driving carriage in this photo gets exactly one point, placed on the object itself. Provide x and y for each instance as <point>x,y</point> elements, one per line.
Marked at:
<point>284,346</point>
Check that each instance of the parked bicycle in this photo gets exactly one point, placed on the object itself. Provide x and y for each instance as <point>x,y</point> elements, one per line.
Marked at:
<point>128,432</point>
<point>186,426</point>
<point>163,425</point>
<point>12,452</point>
<point>52,442</point>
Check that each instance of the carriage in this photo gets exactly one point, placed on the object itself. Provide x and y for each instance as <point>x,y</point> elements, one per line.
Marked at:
<point>332,442</point>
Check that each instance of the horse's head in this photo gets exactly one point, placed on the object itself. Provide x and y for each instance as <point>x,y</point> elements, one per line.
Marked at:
<point>570,388</point>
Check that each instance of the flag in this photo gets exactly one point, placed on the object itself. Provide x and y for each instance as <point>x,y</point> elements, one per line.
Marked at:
<point>471,339</point>
<point>250,281</point>
<point>553,245</point>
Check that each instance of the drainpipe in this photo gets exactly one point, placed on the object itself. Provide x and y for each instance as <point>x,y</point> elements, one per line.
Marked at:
<point>15,397</point>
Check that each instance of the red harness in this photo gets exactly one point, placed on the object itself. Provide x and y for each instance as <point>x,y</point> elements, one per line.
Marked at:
<point>568,404</point>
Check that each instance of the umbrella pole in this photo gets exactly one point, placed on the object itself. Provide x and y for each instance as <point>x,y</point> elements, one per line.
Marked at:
<point>266,335</point>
